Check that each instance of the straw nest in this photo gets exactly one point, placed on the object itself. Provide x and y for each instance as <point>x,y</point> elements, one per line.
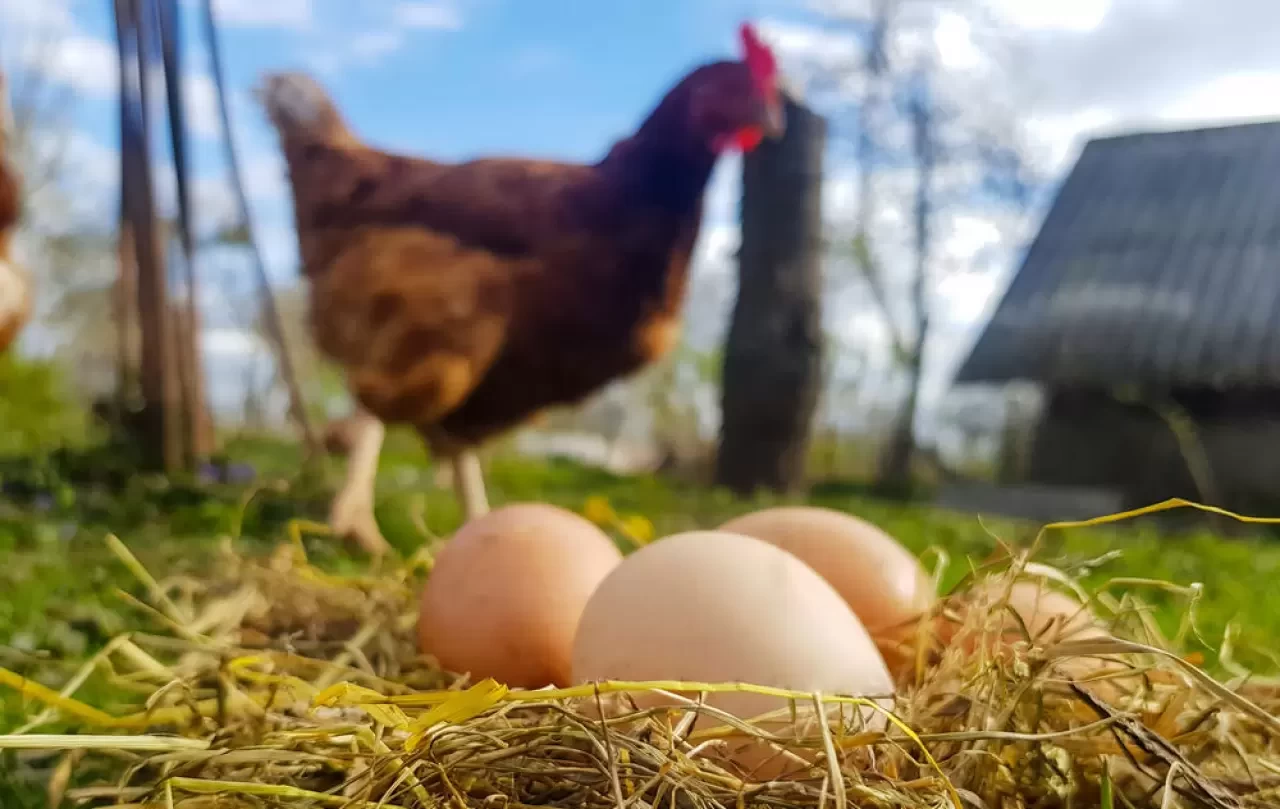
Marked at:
<point>278,685</point>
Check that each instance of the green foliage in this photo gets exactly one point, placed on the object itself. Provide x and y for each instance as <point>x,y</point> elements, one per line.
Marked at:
<point>36,409</point>
<point>16,793</point>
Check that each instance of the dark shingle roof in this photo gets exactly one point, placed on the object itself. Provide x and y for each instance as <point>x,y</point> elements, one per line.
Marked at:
<point>1158,263</point>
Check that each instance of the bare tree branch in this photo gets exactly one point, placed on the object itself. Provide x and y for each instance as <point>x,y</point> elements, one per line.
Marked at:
<point>906,113</point>
<point>876,66</point>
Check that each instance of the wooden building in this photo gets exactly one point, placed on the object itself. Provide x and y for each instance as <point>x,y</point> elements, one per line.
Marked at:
<point>1147,310</point>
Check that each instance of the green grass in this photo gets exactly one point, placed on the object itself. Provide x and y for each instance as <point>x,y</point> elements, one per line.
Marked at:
<point>171,524</point>
<point>59,582</point>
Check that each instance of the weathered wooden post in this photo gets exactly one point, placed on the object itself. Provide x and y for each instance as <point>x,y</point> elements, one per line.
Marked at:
<point>773,359</point>
<point>175,429</point>
<point>163,445</point>
<point>197,424</point>
<point>125,306</point>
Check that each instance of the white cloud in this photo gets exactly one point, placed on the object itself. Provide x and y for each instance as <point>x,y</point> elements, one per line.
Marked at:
<point>263,13</point>
<point>438,16</point>
<point>369,46</point>
<point>232,342</point>
<point>1082,67</point>
<point>1236,96</point>
<point>79,178</point>
<point>279,245</point>
<point>1077,16</point>
<point>84,63</point>
<point>953,39</point>
<point>717,247</point>
<point>967,234</point>
<point>202,105</point>
<point>265,178</point>
<point>811,55</point>
<point>964,298</point>
<point>828,47</point>
<point>1056,138</point>
<point>88,173</point>
<point>372,45</point>
<point>724,191</point>
<point>35,16</point>
<point>89,66</point>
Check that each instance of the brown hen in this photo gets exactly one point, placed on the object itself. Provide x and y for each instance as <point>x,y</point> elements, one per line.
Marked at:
<point>464,299</point>
<point>15,284</point>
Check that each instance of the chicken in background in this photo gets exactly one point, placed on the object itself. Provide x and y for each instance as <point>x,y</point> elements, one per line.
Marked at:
<point>15,284</point>
<point>463,299</point>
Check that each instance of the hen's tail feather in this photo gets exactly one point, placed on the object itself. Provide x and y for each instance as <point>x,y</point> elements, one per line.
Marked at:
<point>7,123</point>
<point>301,109</point>
<point>10,203</point>
<point>10,183</point>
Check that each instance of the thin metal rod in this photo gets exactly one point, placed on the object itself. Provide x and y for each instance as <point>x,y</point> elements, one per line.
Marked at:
<point>275,325</point>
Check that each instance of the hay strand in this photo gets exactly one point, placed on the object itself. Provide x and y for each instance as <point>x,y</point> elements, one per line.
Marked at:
<point>280,685</point>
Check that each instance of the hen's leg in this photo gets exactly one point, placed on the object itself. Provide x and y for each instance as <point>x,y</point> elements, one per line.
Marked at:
<point>351,515</point>
<point>468,484</point>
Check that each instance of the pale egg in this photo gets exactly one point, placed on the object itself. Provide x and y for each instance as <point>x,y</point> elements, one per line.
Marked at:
<point>713,606</point>
<point>1049,616</point>
<point>881,581</point>
<point>506,592</point>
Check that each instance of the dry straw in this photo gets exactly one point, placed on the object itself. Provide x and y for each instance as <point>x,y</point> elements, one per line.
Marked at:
<point>278,685</point>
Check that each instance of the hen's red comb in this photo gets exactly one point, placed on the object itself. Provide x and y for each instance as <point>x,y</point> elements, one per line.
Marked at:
<point>759,59</point>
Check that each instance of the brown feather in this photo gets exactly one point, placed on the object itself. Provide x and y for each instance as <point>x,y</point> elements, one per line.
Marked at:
<point>464,299</point>
<point>14,314</point>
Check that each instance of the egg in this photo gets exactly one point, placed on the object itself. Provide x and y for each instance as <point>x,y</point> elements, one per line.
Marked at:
<point>506,592</point>
<point>1050,616</point>
<point>714,606</point>
<point>1053,617</point>
<point>881,581</point>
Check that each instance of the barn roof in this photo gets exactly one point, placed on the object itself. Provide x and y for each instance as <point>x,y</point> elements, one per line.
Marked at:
<point>1157,264</point>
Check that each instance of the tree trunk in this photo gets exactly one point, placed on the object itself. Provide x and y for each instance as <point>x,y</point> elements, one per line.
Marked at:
<point>773,361</point>
<point>896,471</point>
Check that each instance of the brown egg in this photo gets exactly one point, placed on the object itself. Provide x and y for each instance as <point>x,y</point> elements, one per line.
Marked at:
<point>880,580</point>
<point>1053,617</point>
<point>713,606</point>
<point>1050,616</point>
<point>506,592</point>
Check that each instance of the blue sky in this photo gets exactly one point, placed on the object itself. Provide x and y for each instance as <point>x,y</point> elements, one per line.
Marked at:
<point>565,78</point>
<point>447,79</point>
<point>555,78</point>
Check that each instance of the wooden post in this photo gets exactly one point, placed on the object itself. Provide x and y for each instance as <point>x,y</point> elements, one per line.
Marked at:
<point>197,425</point>
<point>126,287</point>
<point>163,440</point>
<point>124,304</point>
<point>773,359</point>
<point>199,432</point>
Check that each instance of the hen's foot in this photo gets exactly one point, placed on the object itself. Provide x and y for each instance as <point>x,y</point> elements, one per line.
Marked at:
<point>353,520</point>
